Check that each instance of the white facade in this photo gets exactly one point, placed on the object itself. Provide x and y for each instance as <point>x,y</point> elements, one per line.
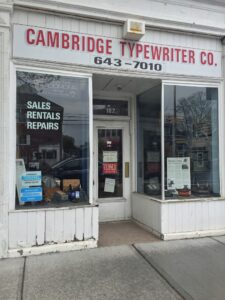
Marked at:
<point>194,27</point>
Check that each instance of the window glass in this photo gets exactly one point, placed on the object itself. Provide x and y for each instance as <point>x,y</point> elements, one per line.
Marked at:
<point>191,141</point>
<point>52,140</point>
<point>149,142</point>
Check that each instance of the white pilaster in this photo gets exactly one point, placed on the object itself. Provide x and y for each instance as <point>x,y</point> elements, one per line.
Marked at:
<point>5,9</point>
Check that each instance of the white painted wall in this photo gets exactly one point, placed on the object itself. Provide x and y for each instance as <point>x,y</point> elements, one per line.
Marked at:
<point>67,23</point>
<point>193,218</point>
<point>114,211</point>
<point>201,16</point>
<point>147,211</point>
<point>47,226</point>
<point>174,219</point>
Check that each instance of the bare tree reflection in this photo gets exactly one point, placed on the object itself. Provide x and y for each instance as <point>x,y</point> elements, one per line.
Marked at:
<point>193,118</point>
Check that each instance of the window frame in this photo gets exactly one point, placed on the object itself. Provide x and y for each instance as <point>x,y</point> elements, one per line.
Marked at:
<point>14,68</point>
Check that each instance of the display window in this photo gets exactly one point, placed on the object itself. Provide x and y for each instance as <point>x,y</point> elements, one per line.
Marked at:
<point>190,150</point>
<point>149,142</point>
<point>191,141</point>
<point>52,151</point>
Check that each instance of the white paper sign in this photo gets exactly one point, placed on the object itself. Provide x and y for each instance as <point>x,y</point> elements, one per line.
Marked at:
<point>178,173</point>
<point>109,185</point>
<point>110,156</point>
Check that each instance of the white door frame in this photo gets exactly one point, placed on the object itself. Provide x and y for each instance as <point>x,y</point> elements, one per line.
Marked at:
<point>122,205</point>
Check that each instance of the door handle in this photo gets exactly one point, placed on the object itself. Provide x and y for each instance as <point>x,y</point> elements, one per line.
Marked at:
<point>127,169</point>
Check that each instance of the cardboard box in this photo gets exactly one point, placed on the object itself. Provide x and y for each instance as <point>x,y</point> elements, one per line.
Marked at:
<point>75,184</point>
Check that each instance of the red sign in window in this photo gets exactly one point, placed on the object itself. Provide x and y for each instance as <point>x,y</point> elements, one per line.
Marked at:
<point>110,168</point>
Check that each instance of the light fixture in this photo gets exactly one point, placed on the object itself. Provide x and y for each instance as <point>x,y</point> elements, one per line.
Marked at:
<point>133,29</point>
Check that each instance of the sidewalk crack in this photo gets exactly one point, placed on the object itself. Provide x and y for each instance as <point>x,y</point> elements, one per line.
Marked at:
<point>170,281</point>
<point>23,277</point>
<point>218,241</point>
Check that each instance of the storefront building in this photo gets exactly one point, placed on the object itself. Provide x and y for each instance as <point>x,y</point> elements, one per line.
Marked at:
<point>110,112</point>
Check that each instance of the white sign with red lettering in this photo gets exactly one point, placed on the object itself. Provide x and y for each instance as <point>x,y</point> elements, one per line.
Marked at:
<point>92,50</point>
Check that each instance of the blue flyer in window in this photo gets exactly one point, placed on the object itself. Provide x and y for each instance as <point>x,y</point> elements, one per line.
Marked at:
<point>31,178</point>
<point>31,194</point>
<point>31,187</point>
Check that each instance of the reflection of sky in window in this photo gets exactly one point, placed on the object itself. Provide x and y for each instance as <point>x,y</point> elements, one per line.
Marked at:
<point>182,92</point>
<point>187,91</point>
<point>70,93</point>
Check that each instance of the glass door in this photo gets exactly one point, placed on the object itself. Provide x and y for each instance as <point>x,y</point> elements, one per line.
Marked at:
<point>112,160</point>
<point>110,163</point>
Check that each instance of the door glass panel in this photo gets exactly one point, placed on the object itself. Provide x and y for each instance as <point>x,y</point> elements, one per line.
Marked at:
<point>110,166</point>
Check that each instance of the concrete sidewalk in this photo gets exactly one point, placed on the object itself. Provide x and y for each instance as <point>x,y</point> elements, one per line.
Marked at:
<point>103,273</point>
<point>194,269</point>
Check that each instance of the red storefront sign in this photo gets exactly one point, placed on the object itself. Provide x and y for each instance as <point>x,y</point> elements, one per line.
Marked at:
<point>110,168</point>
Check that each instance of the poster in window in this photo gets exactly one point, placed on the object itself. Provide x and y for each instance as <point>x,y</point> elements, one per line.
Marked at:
<point>109,168</point>
<point>110,156</point>
<point>178,173</point>
<point>109,185</point>
<point>31,190</point>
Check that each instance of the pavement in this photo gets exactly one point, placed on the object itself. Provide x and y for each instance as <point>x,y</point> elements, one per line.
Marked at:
<point>123,233</point>
<point>181,269</point>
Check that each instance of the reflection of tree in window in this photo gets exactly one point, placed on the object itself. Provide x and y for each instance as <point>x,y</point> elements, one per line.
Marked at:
<point>35,81</point>
<point>195,115</point>
<point>69,147</point>
<point>191,118</point>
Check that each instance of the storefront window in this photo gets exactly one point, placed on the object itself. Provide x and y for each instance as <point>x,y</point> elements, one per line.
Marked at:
<point>149,142</point>
<point>52,162</point>
<point>191,141</point>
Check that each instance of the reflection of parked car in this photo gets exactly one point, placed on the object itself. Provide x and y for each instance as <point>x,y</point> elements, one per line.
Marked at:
<point>72,168</point>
